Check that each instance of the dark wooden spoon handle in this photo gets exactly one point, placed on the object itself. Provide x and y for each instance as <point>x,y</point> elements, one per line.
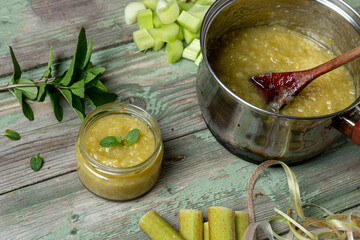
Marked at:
<point>355,137</point>
<point>336,62</point>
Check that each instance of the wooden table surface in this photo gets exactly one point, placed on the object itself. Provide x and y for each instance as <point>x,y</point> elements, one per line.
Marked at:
<point>197,171</point>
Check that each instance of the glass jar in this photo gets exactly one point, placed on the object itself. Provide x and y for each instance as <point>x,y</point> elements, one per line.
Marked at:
<point>112,182</point>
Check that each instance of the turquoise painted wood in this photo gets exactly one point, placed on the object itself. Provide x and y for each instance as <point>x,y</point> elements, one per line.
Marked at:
<point>197,171</point>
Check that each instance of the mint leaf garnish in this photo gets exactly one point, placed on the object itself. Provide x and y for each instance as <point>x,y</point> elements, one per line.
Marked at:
<point>112,141</point>
<point>132,136</point>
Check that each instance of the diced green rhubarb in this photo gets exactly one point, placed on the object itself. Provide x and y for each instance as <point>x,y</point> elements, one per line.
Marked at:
<point>145,19</point>
<point>151,4</point>
<point>167,11</point>
<point>189,36</point>
<point>174,51</point>
<point>131,11</point>
<point>204,2</point>
<point>184,5</point>
<point>198,59</point>
<point>156,20</point>
<point>143,39</point>
<point>158,44</point>
<point>180,35</point>
<point>198,10</point>
<point>168,32</point>
<point>189,21</point>
<point>192,51</point>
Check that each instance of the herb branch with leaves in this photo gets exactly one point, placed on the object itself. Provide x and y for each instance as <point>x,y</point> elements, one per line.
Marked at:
<point>79,82</point>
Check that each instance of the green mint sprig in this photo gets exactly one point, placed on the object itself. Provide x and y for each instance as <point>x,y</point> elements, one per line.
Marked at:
<point>79,82</point>
<point>112,141</point>
<point>12,134</point>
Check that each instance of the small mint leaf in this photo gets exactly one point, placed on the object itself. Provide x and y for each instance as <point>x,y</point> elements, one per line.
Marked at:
<point>74,102</point>
<point>12,134</point>
<point>111,141</point>
<point>97,70</point>
<point>29,92</point>
<point>42,91</point>
<point>132,137</point>
<point>54,98</point>
<point>99,85</point>
<point>47,73</point>
<point>77,61</point>
<point>98,97</point>
<point>17,70</point>
<point>88,55</point>
<point>26,109</point>
<point>78,88</point>
<point>36,163</point>
<point>89,77</point>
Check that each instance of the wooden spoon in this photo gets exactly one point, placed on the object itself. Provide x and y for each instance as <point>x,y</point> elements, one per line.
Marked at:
<point>280,88</point>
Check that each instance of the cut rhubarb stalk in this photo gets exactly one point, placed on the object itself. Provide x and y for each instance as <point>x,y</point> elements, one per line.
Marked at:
<point>198,60</point>
<point>156,20</point>
<point>191,226</point>
<point>199,11</point>
<point>189,21</point>
<point>168,33</point>
<point>145,19</point>
<point>167,11</point>
<point>131,11</point>
<point>204,2</point>
<point>158,44</point>
<point>241,223</point>
<point>143,39</point>
<point>206,231</point>
<point>157,228</point>
<point>221,223</point>
<point>174,51</point>
<point>192,51</point>
<point>189,36</point>
<point>150,4</point>
<point>184,5</point>
<point>180,35</point>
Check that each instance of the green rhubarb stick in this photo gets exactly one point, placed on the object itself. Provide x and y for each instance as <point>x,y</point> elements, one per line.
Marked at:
<point>241,223</point>
<point>145,19</point>
<point>174,51</point>
<point>150,4</point>
<point>158,44</point>
<point>198,60</point>
<point>157,228</point>
<point>221,223</point>
<point>143,39</point>
<point>191,225</point>
<point>206,231</point>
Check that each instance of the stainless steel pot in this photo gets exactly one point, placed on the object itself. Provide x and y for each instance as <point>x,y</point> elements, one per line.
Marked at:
<point>256,134</point>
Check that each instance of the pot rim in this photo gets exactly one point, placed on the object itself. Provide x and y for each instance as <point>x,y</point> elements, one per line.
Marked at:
<point>331,4</point>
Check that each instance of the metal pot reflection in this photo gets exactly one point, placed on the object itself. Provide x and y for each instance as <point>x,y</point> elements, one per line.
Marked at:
<point>256,134</point>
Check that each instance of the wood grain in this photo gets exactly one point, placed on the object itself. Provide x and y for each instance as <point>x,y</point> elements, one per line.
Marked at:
<point>197,171</point>
<point>73,211</point>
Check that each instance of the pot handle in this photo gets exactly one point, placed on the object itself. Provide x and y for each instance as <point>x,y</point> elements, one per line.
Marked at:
<point>355,137</point>
<point>349,124</point>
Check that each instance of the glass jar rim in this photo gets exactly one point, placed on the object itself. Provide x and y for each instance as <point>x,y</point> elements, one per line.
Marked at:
<point>120,108</point>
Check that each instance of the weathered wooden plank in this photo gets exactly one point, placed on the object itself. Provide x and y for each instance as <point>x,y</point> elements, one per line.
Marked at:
<point>32,26</point>
<point>206,175</point>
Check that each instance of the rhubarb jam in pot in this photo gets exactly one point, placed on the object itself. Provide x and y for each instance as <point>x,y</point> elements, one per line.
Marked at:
<point>119,172</point>
<point>243,53</point>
